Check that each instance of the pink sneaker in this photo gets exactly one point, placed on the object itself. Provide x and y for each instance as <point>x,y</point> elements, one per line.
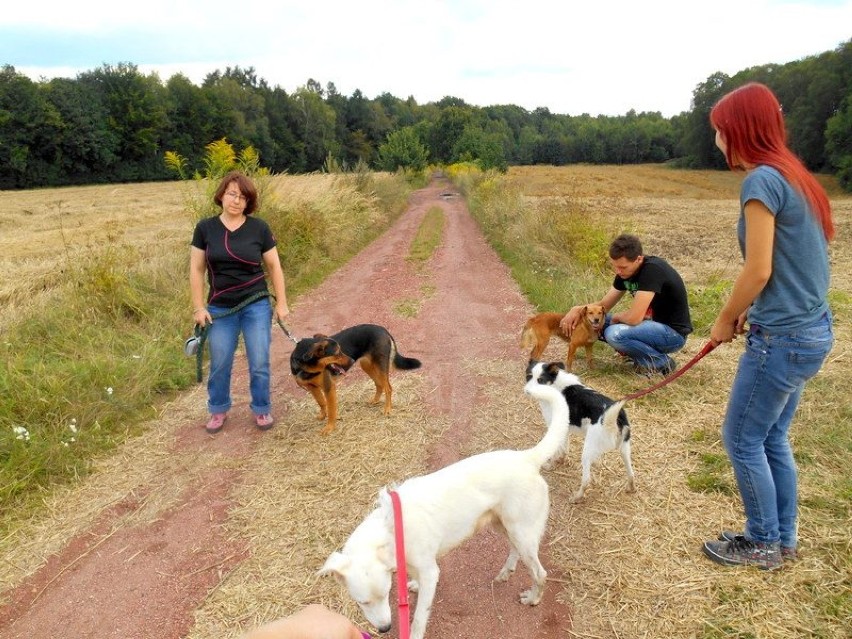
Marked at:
<point>217,420</point>
<point>264,422</point>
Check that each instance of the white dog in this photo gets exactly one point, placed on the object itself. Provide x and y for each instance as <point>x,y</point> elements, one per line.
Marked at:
<point>588,416</point>
<point>444,508</point>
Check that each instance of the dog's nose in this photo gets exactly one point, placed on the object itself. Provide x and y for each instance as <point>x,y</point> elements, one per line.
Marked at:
<point>384,629</point>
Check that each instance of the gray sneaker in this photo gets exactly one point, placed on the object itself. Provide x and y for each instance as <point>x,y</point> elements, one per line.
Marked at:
<point>788,553</point>
<point>743,552</point>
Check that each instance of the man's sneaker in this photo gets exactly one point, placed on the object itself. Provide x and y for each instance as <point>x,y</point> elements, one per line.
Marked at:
<point>216,422</point>
<point>649,371</point>
<point>788,553</point>
<point>743,552</point>
<point>264,422</point>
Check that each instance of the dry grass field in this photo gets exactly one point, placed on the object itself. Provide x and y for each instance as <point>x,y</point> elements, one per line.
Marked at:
<point>637,570</point>
<point>629,566</point>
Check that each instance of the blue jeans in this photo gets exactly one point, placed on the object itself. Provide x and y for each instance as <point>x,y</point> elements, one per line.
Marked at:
<point>255,323</point>
<point>767,387</point>
<point>647,343</point>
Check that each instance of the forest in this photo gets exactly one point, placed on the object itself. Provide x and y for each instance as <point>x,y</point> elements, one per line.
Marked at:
<point>115,124</point>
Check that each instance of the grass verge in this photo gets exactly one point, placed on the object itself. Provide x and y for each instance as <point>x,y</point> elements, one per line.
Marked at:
<point>99,350</point>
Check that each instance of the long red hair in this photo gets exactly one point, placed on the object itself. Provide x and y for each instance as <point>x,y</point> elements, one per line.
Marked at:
<point>751,124</point>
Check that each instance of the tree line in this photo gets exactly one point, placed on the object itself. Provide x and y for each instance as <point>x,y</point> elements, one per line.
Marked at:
<point>115,124</point>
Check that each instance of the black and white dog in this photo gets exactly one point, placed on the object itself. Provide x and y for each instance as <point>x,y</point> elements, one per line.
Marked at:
<point>586,408</point>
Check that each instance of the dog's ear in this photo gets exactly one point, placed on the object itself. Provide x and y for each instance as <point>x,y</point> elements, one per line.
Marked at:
<point>554,367</point>
<point>336,565</point>
<point>385,555</point>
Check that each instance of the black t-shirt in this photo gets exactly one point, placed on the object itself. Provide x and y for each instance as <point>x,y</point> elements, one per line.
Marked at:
<point>234,258</point>
<point>670,304</point>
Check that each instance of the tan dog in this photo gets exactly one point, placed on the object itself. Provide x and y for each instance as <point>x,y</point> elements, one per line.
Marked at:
<point>539,329</point>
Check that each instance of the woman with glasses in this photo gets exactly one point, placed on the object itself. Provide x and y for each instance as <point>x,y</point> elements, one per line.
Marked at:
<point>237,251</point>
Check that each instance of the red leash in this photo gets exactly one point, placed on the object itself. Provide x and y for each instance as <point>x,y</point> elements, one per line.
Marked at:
<point>401,573</point>
<point>709,346</point>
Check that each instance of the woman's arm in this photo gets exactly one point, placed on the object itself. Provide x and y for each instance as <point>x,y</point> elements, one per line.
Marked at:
<point>197,267</point>
<point>756,271</point>
<point>276,275</point>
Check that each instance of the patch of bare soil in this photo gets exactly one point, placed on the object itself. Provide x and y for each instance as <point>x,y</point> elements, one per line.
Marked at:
<point>121,574</point>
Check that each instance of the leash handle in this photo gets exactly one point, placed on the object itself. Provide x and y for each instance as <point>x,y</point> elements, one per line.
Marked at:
<point>709,346</point>
<point>401,573</point>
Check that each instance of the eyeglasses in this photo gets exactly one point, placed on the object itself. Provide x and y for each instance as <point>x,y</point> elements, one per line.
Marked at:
<point>239,197</point>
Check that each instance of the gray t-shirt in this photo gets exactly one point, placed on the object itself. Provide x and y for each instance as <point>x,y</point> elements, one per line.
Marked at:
<point>795,295</point>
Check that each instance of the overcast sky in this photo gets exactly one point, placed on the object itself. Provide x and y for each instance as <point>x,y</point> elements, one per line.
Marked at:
<point>596,57</point>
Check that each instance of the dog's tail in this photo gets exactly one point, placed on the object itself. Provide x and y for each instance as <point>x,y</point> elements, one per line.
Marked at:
<point>527,337</point>
<point>404,363</point>
<point>555,439</point>
<point>610,420</point>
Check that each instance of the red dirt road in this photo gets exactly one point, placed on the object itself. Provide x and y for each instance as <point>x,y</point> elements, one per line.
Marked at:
<point>141,582</point>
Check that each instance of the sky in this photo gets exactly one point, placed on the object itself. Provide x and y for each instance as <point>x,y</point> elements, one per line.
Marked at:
<point>601,57</point>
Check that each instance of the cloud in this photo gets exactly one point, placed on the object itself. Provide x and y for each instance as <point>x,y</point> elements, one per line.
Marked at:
<point>571,57</point>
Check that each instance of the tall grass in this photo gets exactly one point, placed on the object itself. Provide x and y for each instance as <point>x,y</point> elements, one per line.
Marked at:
<point>98,352</point>
<point>555,246</point>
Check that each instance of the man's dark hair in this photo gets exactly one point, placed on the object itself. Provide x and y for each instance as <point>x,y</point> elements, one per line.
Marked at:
<point>625,245</point>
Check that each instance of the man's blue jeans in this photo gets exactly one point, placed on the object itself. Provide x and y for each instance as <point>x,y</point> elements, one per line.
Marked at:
<point>647,343</point>
<point>255,323</point>
<point>766,391</point>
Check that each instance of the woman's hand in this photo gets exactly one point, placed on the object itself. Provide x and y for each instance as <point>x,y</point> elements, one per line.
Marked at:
<point>724,330</point>
<point>281,311</point>
<point>202,317</point>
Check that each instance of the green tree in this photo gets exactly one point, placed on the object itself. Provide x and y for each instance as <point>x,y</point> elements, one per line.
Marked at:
<point>838,136</point>
<point>485,149</point>
<point>316,126</point>
<point>29,129</point>
<point>87,147</point>
<point>193,119</point>
<point>403,149</point>
<point>136,115</point>
<point>447,131</point>
<point>700,137</point>
<point>239,98</point>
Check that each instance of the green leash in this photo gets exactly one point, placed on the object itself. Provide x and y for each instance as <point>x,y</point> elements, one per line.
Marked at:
<point>201,331</point>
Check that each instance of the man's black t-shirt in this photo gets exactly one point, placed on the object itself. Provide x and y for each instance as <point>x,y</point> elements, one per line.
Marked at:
<point>234,258</point>
<point>670,304</point>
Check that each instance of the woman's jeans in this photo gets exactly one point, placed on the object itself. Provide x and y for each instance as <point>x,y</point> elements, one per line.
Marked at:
<point>766,391</point>
<point>255,323</point>
<point>647,343</point>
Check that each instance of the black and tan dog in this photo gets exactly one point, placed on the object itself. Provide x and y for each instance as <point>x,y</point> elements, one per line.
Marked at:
<point>317,361</point>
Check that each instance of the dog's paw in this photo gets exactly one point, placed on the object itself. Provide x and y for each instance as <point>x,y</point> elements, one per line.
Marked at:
<point>631,487</point>
<point>328,429</point>
<point>413,586</point>
<point>504,575</point>
<point>577,498</point>
<point>531,597</point>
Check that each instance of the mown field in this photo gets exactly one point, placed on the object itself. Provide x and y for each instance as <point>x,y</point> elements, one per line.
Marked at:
<point>91,276</point>
<point>638,571</point>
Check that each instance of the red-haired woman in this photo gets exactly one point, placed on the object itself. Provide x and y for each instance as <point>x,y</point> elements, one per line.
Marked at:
<point>784,228</point>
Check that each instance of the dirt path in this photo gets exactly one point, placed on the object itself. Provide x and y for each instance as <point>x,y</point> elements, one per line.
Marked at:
<point>146,581</point>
